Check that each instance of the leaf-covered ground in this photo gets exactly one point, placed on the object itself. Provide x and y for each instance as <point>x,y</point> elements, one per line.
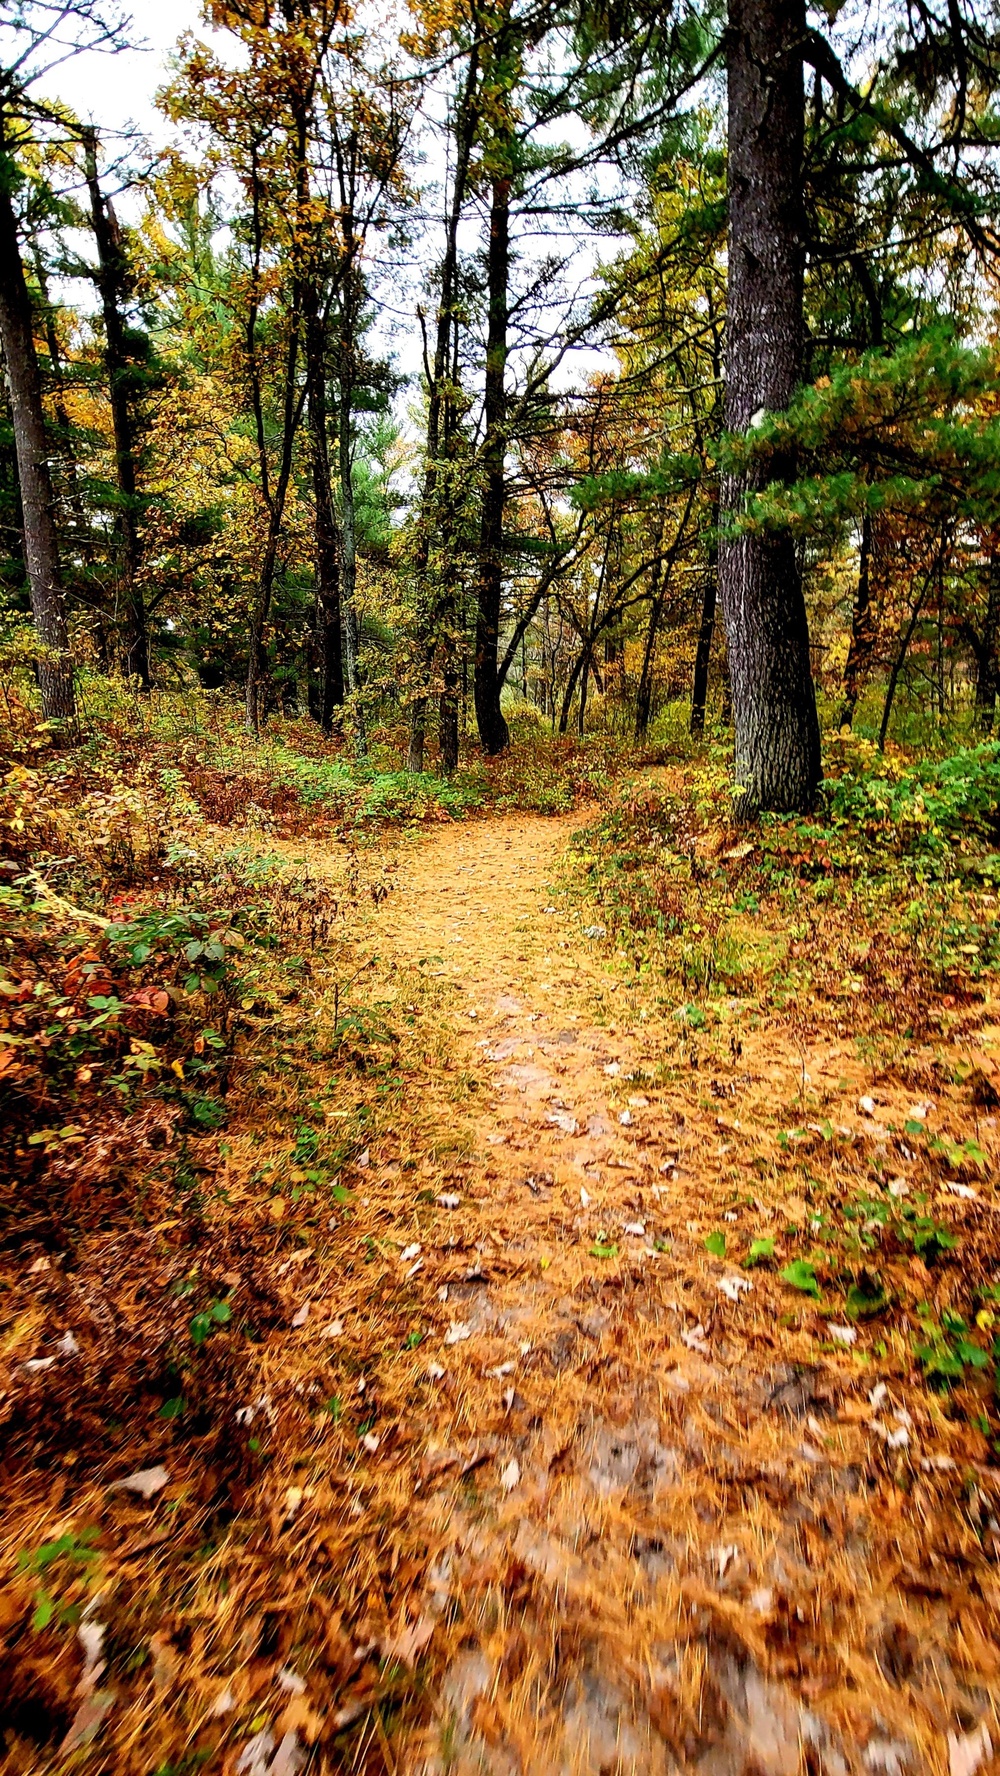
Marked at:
<point>541,1370</point>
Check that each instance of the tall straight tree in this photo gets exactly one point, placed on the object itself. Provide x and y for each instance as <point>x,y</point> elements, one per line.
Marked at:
<point>38,35</point>
<point>760,582</point>
<point>41,545</point>
<point>113,282</point>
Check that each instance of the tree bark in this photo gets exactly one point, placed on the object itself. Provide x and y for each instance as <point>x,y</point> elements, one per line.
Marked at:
<point>350,628</point>
<point>760,585</point>
<point>703,651</point>
<point>706,628</point>
<point>493,730</point>
<point>65,432</point>
<point>325,520</point>
<point>112,284</point>
<point>441,390</point>
<point>41,549</point>
<point>292,402</point>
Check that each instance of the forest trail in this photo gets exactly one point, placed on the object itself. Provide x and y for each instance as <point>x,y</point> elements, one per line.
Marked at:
<point>663,1531</point>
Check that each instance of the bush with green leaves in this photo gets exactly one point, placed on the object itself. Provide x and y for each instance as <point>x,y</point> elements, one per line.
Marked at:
<point>924,809</point>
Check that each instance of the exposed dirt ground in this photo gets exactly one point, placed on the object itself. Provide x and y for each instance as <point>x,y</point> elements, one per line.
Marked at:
<point>619,1505</point>
<point>656,1500</point>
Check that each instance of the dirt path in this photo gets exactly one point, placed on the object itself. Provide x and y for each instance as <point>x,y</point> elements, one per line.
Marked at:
<point>664,1534</point>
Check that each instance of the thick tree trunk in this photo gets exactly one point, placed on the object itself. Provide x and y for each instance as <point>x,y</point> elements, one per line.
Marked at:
<point>760,585</point>
<point>489,716</point>
<point>112,283</point>
<point>41,550</point>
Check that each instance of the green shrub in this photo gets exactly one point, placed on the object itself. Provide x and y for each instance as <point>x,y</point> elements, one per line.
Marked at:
<point>924,808</point>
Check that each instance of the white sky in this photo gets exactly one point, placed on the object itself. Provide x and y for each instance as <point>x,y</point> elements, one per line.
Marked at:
<point>114,91</point>
<point>118,92</point>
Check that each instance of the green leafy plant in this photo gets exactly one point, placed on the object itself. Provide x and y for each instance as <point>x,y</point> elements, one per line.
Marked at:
<point>760,1249</point>
<point>800,1274</point>
<point>201,1327</point>
<point>70,1550</point>
<point>946,1351</point>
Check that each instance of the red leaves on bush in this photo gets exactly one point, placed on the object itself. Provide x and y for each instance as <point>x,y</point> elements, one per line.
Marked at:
<point>153,999</point>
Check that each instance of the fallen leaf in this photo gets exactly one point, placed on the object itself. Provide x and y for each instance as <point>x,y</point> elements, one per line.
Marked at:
<point>966,1751</point>
<point>408,1641</point>
<point>510,1475</point>
<point>255,1758</point>
<point>86,1721</point>
<point>561,1119</point>
<point>724,1558</point>
<point>843,1334</point>
<point>734,1286</point>
<point>291,1682</point>
<point>147,1482</point>
<point>165,1660</point>
<point>352,1711</point>
<point>300,1318</point>
<point>457,1332</point>
<point>91,1637</point>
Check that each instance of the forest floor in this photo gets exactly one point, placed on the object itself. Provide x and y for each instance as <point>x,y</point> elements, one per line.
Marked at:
<point>532,1477</point>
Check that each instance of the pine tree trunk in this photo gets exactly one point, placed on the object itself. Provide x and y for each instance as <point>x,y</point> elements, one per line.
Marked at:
<point>41,550</point>
<point>760,584</point>
<point>493,730</point>
<point>325,521</point>
<point>112,283</point>
<point>437,497</point>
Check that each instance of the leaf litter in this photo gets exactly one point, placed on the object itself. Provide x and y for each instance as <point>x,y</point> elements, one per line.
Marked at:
<point>630,1555</point>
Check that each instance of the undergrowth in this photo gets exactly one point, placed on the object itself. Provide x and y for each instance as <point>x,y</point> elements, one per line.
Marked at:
<point>874,921</point>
